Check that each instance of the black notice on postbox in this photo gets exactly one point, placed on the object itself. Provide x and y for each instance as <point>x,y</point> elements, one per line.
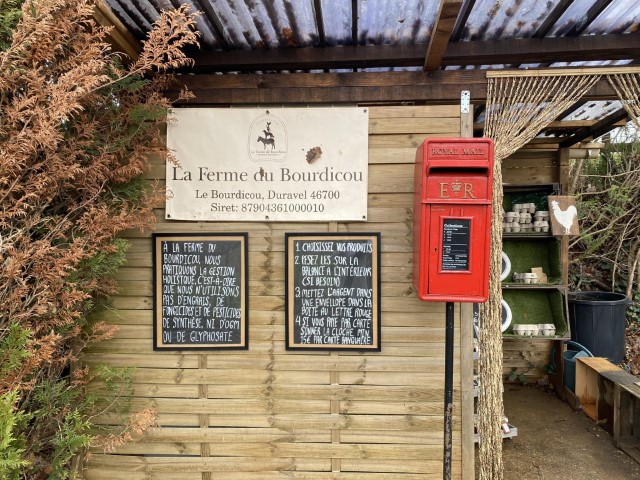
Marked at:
<point>456,236</point>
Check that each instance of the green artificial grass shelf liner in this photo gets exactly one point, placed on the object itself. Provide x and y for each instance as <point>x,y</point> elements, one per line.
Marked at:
<point>530,307</point>
<point>525,255</point>
<point>539,198</point>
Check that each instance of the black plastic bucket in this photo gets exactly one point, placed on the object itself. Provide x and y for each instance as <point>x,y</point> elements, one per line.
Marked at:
<point>597,321</point>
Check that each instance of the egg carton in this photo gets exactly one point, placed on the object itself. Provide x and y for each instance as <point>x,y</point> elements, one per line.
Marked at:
<point>533,330</point>
<point>525,278</point>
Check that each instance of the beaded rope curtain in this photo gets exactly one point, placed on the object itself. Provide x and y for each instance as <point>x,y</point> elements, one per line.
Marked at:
<point>627,87</point>
<point>518,106</point>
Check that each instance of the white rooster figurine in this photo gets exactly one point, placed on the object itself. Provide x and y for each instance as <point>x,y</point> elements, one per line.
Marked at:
<point>564,217</point>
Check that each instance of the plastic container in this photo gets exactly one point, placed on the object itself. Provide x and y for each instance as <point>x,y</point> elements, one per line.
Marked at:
<point>597,321</point>
<point>570,357</point>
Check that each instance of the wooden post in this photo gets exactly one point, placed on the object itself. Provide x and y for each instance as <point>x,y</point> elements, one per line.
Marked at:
<point>563,167</point>
<point>466,351</point>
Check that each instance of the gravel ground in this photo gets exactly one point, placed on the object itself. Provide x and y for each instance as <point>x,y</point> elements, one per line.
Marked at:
<point>555,442</point>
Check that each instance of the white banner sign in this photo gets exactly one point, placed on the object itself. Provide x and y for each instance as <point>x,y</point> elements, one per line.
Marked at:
<point>290,164</point>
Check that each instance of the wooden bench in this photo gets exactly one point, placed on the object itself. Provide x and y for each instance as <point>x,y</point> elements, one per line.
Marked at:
<point>611,396</point>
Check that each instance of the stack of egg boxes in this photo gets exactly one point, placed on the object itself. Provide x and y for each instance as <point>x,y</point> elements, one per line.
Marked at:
<point>523,218</point>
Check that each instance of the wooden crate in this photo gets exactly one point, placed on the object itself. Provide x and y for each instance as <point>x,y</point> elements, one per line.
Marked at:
<point>595,390</point>
<point>611,397</point>
<point>626,417</point>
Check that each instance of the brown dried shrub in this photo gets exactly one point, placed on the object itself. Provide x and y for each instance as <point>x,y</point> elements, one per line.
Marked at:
<point>77,129</point>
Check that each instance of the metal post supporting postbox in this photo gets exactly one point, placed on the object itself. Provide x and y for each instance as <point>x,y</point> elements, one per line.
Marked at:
<point>448,392</point>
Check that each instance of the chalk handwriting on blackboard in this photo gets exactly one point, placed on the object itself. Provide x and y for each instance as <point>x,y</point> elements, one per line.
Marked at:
<point>200,291</point>
<point>333,291</point>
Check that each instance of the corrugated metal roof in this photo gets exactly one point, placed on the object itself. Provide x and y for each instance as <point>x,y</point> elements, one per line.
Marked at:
<point>255,24</point>
<point>621,16</point>
<point>494,19</point>
<point>385,22</point>
<point>266,24</point>
<point>276,24</point>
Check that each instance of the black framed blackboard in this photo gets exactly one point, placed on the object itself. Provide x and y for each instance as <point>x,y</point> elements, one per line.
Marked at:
<point>200,291</point>
<point>332,291</point>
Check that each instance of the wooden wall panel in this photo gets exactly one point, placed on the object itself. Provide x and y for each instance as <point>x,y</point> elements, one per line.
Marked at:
<point>531,166</point>
<point>291,414</point>
<point>526,359</point>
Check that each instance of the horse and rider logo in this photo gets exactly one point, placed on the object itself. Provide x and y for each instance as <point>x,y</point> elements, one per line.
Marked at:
<point>267,138</point>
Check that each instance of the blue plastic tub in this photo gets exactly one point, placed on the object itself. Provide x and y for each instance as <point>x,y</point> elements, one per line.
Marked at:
<point>570,357</point>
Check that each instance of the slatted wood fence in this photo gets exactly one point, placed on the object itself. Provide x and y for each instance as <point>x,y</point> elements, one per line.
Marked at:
<point>268,413</point>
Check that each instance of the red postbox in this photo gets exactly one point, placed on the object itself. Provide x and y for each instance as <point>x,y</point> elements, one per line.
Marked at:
<point>452,219</point>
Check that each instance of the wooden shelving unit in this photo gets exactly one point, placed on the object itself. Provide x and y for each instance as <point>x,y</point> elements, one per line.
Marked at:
<point>549,251</point>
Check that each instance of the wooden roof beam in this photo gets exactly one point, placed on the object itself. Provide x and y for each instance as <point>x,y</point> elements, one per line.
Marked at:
<point>448,12</point>
<point>120,38</point>
<point>588,18</point>
<point>552,18</point>
<point>439,87</point>
<point>354,22</point>
<point>597,129</point>
<point>317,7</point>
<point>564,125</point>
<point>583,22</point>
<point>531,50</point>
<point>465,11</point>
<point>216,24</point>
<point>570,110</point>
<point>537,50</point>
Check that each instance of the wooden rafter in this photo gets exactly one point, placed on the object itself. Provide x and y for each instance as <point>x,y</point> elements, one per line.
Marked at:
<point>583,22</point>
<point>354,22</point>
<point>535,50</point>
<point>216,23</point>
<point>584,48</point>
<point>588,18</point>
<point>564,125</point>
<point>309,58</point>
<point>552,18</point>
<point>317,7</point>
<point>465,11</point>
<point>598,129</point>
<point>448,12</point>
<point>439,87</point>
<point>571,109</point>
<point>120,38</point>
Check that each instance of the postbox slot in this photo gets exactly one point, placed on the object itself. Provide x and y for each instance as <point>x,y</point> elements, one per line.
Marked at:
<point>467,171</point>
